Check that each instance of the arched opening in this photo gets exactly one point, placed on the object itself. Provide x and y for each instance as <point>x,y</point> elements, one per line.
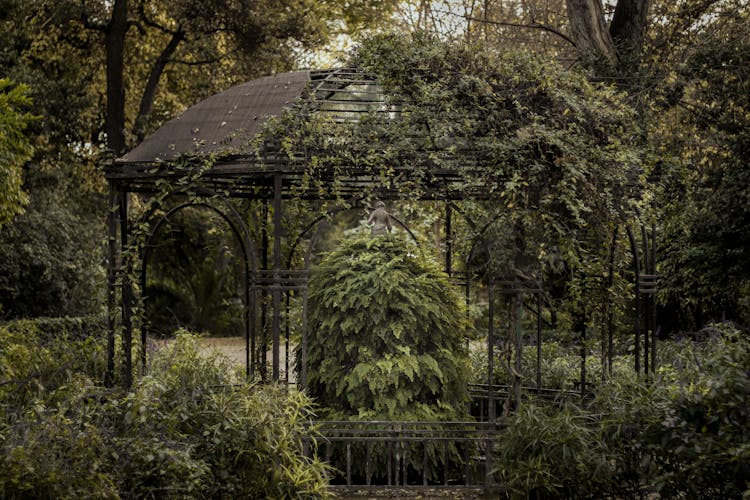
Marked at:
<point>197,268</point>
<point>195,278</point>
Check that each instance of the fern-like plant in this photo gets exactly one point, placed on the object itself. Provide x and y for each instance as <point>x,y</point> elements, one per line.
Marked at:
<point>387,335</point>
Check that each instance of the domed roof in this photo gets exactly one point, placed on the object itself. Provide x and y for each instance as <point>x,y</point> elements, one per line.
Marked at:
<point>224,120</point>
<point>228,120</point>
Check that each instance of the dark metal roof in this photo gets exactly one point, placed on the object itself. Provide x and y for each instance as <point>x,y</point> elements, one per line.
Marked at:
<point>225,121</point>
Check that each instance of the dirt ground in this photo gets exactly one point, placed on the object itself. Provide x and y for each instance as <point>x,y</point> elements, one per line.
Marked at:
<point>233,348</point>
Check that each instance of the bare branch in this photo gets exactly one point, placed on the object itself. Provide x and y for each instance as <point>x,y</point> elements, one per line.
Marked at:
<point>534,26</point>
<point>201,62</point>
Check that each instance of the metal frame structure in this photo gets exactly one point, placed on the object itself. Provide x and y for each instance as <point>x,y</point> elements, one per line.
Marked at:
<point>273,178</point>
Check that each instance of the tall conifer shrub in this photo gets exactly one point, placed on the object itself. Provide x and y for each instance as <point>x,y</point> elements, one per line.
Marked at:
<point>387,335</point>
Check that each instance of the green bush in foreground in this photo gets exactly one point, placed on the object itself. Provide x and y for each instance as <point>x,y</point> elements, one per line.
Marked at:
<point>39,356</point>
<point>686,434</point>
<point>551,454</point>
<point>189,429</point>
<point>683,434</point>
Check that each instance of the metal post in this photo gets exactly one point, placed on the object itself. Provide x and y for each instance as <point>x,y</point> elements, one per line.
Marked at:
<point>112,264</point>
<point>582,325</point>
<point>262,355</point>
<point>637,323</point>
<point>249,317</point>
<point>654,317</point>
<point>646,339</point>
<point>637,329</point>
<point>518,334</point>
<point>276,290</point>
<point>539,344</point>
<point>287,329</point>
<point>610,309</point>
<point>491,354</point>
<point>250,324</point>
<point>127,293</point>
<point>304,347</point>
<point>448,240</point>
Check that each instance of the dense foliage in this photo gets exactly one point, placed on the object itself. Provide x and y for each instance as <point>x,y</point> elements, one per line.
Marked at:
<point>683,434</point>
<point>15,147</point>
<point>51,264</point>
<point>687,435</point>
<point>387,334</point>
<point>705,140</point>
<point>559,157</point>
<point>563,156</point>
<point>190,428</point>
<point>173,55</point>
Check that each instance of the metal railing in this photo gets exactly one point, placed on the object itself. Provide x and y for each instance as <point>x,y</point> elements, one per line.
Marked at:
<point>483,396</point>
<point>404,453</point>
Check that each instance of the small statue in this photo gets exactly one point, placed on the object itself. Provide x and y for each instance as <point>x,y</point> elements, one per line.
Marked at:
<point>380,219</point>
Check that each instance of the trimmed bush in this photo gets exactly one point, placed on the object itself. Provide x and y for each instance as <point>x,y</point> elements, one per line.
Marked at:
<point>387,342</point>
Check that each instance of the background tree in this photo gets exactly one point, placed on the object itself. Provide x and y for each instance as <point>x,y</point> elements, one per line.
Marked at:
<point>608,35</point>
<point>703,133</point>
<point>247,38</point>
<point>51,263</point>
<point>52,258</point>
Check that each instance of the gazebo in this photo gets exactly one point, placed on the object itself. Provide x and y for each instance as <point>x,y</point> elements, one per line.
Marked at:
<point>212,155</point>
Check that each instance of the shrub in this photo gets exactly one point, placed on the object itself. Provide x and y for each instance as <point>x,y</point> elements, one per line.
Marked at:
<point>58,450</point>
<point>67,328</point>
<point>560,366</point>
<point>552,454</point>
<point>249,437</point>
<point>702,445</point>
<point>387,341</point>
<point>190,428</point>
<point>388,334</point>
<point>681,434</point>
<point>38,356</point>
<point>686,433</point>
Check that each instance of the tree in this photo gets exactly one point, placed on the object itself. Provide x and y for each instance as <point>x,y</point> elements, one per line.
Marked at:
<point>166,56</point>
<point>249,37</point>
<point>52,263</point>
<point>556,155</point>
<point>618,43</point>
<point>52,254</point>
<point>15,148</point>
<point>702,131</point>
<point>608,36</point>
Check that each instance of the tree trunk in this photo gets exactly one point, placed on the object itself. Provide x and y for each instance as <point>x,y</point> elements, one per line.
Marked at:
<point>589,31</point>
<point>149,92</point>
<point>114,121</point>
<point>627,29</point>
